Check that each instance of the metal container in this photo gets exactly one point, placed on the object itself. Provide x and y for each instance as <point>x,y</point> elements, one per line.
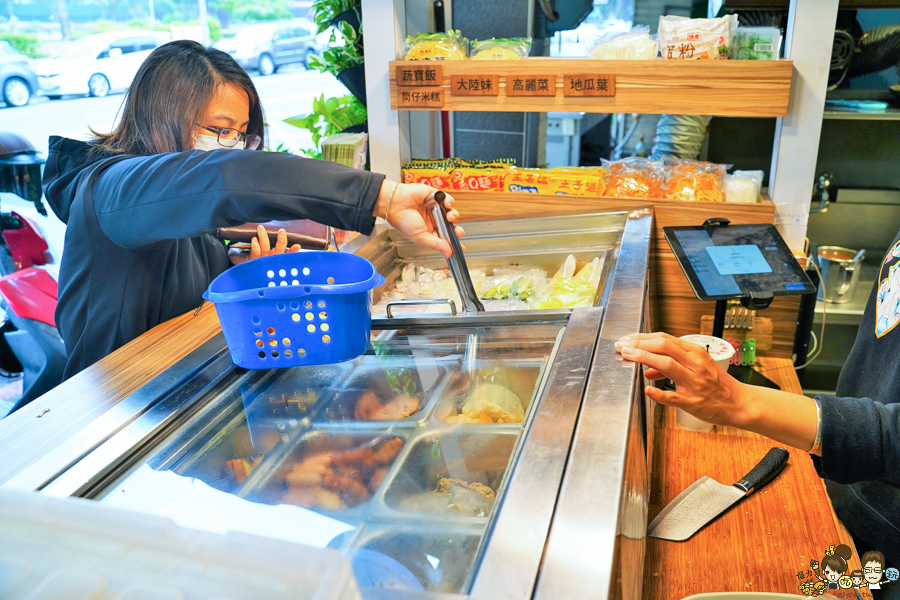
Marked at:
<point>840,273</point>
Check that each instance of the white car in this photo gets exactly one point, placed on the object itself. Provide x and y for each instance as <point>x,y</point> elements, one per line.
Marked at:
<point>98,64</point>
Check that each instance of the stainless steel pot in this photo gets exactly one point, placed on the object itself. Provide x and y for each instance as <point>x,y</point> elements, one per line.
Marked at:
<point>840,273</point>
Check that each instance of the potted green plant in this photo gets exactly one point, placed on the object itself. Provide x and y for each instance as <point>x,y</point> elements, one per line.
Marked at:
<point>330,116</point>
<point>331,13</point>
<point>345,61</point>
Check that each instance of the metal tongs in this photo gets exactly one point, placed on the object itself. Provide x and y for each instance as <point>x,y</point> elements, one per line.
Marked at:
<point>457,262</point>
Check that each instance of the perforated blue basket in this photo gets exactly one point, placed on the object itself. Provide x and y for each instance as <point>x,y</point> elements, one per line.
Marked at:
<point>302,308</point>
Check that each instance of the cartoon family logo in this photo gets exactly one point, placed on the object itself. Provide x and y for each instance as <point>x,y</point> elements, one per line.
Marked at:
<point>887,304</point>
<point>832,575</point>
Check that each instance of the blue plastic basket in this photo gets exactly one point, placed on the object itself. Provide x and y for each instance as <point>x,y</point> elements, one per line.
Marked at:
<point>301,308</point>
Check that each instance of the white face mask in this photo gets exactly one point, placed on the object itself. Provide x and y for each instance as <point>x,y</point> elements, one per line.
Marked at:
<point>208,142</point>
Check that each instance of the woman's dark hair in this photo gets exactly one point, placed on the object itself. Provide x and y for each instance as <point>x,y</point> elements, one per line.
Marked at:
<point>170,93</point>
<point>837,562</point>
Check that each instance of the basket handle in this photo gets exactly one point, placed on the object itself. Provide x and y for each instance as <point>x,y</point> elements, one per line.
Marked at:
<point>391,305</point>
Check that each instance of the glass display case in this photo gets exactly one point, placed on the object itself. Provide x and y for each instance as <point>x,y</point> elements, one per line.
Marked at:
<point>441,460</point>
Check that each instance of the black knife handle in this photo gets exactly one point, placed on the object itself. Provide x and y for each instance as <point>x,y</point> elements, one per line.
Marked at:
<point>765,471</point>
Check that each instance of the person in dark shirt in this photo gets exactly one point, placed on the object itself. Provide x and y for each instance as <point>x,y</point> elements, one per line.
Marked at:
<point>853,436</point>
<point>143,202</point>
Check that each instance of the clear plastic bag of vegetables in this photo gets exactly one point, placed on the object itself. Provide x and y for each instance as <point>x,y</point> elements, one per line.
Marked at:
<point>501,49</point>
<point>436,46</point>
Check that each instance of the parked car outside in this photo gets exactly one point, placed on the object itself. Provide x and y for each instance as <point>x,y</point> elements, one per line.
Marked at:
<point>98,64</point>
<point>267,46</point>
<point>18,82</point>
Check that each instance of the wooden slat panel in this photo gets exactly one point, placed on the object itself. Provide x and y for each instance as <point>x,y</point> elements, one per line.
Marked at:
<point>658,573</point>
<point>750,88</point>
<point>757,546</point>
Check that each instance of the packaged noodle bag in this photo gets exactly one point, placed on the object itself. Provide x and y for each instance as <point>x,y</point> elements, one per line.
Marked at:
<point>634,178</point>
<point>433,173</point>
<point>501,49</point>
<point>633,45</point>
<point>436,46</point>
<point>529,181</point>
<point>681,38</point>
<point>478,179</point>
<point>693,181</point>
<point>575,181</point>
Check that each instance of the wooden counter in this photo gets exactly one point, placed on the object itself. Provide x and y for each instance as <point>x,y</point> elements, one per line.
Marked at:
<point>761,544</point>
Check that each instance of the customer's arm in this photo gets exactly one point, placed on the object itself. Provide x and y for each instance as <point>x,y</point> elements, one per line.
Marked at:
<point>143,200</point>
<point>860,437</point>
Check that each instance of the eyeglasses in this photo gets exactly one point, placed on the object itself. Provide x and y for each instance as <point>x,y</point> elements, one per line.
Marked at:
<point>229,138</point>
<point>871,570</point>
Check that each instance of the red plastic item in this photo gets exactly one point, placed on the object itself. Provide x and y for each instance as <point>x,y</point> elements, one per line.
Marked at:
<point>31,294</point>
<point>27,245</point>
<point>736,344</point>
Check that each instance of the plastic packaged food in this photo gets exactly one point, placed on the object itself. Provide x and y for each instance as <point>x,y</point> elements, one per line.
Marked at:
<point>574,181</point>
<point>436,46</point>
<point>756,43</point>
<point>743,186</point>
<point>681,38</point>
<point>478,179</point>
<point>634,178</point>
<point>692,181</point>
<point>433,173</point>
<point>633,45</point>
<point>501,49</point>
<point>529,181</point>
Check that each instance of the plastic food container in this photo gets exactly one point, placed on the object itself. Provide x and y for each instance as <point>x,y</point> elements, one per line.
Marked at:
<point>721,351</point>
<point>300,308</point>
<point>80,550</point>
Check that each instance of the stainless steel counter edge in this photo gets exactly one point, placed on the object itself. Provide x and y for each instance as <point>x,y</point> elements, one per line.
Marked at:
<point>580,557</point>
<point>54,462</point>
<point>512,557</point>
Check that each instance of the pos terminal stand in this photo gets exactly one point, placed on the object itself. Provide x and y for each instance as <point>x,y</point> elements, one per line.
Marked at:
<point>724,262</point>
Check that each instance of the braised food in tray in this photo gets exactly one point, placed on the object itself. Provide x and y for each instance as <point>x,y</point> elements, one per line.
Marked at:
<point>339,479</point>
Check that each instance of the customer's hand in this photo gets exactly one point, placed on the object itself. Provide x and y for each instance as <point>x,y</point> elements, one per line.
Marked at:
<point>703,388</point>
<point>412,218</point>
<point>259,246</point>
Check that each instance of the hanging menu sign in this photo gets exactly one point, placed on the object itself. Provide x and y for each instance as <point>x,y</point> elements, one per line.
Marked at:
<point>590,84</point>
<point>419,75</point>
<point>420,97</point>
<point>475,85</point>
<point>531,85</point>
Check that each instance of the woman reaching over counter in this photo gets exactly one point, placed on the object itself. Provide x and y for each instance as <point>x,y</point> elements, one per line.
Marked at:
<point>142,203</point>
<point>853,436</point>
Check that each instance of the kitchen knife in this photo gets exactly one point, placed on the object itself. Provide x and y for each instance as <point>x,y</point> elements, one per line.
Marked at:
<point>706,499</point>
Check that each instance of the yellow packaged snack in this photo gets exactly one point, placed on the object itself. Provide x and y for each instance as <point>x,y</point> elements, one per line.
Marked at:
<point>575,181</point>
<point>433,173</point>
<point>436,46</point>
<point>529,181</point>
<point>501,49</point>
<point>478,179</point>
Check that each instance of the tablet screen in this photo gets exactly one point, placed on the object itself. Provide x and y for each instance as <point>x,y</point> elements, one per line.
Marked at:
<point>737,260</point>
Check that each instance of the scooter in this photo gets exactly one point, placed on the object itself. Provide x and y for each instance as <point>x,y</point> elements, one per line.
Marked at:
<point>30,342</point>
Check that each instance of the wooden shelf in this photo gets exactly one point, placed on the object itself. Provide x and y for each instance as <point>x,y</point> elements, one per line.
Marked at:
<point>747,88</point>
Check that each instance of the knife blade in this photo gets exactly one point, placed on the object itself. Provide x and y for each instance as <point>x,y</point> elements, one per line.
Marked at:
<point>706,499</point>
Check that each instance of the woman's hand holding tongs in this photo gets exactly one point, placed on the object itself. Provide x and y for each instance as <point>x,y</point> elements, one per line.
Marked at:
<point>410,214</point>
